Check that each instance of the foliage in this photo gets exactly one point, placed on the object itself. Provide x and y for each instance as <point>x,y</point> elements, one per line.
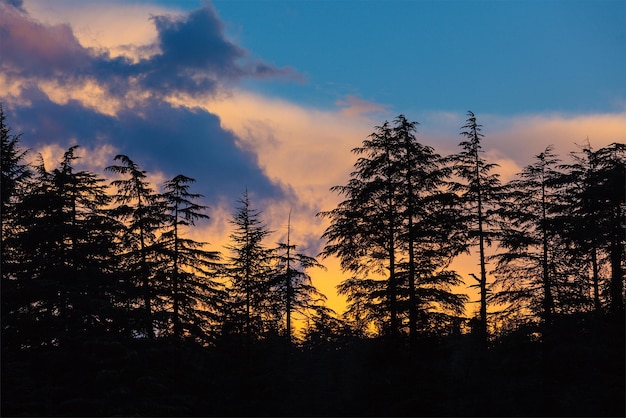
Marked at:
<point>141,210</point>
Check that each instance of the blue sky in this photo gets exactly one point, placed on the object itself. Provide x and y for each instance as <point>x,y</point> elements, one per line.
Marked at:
<point>271,96</point>
<point>501,57</point>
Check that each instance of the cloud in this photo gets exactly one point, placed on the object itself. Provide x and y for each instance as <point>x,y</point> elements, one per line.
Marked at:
<point>18,4</point>
<point>33,49</point>
<point>306,148</point>
<point>193,56</point>
<point>197,41</point>
<point>120,28</point>
<point>353,106</point>
<point>513,141</point>
<point>161,137</point>
<point>60,92</point>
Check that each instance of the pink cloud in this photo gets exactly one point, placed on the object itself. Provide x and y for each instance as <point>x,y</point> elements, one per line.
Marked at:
<point>353,106</point>
<point>35,48</point>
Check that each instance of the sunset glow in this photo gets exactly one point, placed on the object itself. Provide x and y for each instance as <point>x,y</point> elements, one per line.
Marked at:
<point>110,78</point>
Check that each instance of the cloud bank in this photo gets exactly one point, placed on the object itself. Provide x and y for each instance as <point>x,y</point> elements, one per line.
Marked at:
<point>58,91</point>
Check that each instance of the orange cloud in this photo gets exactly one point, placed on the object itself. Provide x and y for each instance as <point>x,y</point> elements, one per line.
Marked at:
<point>88,92</point>
<point>353,106</point>
<point>122,30</point>
<point>521,138</point>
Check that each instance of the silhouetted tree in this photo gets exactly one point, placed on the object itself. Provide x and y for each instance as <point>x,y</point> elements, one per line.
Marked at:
<point>478,187</point>
<point>141,210</point>
<point>90,243</point>
<point>365,230</point>
<point>14,183</point>
<point>579,224</point>
<point>249,271</point>
<point>15,172</point>
<point>189,269</point>
<point>66,240</point>
<point>595,196</point>
<point>397,222</point>
<point>432,234</point>
<point>293,286</point>
<point>533,266</point>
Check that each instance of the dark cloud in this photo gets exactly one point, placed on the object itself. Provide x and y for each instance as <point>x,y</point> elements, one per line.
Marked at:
<point>18,4</point>
<point>161,138</point>
<point>194,57</point>
<point>197,41</point>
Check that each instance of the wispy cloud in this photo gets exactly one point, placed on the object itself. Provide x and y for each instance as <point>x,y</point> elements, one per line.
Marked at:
<point>354,106</point>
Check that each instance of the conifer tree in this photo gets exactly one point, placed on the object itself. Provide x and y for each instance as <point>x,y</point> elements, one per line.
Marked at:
<point>15,172</point>
<point>189,269</point>
<point>249,271</point>
<point>532,268</point>
<point>141,210</point>
<point>89,243</point>
<point>595,196</point>
<point>611,199</point>
<point>431,236</point>
<point>14,185</point>
<point>293,286</point>
<point>478,188</point>
<point>66,269</point>
<point>398,223</point>
<point>579,223</point>
<point>365,231</point>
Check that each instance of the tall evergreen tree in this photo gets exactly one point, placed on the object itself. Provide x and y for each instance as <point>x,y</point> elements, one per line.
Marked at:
<point>293,284</point>
<point>532,268</point>
<point>89,241</point>
<point>595,196</point>
<point>478,187</point>
<point>66,270</point>
<point>611,197</point>
<point>14,184</point>
<point>580,223</point>
<point>432,235</point>
<point>397,223</point>
<point>249,271</point>
<point>15,172</point>
<point>190,270</point>
<point>141,210</point>
<point>365,230</point>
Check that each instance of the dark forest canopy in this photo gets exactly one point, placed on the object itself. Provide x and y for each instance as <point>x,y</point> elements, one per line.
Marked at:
<point>104,266</point>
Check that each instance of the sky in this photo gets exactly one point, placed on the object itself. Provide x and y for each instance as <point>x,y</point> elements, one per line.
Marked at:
<point>270,96</point>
